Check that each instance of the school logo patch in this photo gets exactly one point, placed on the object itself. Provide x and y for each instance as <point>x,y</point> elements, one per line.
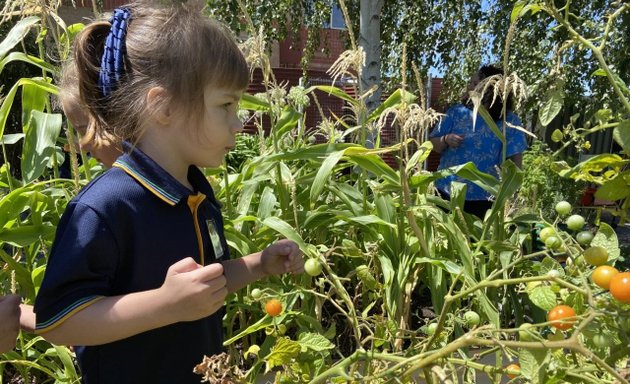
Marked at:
<point>215,239</point>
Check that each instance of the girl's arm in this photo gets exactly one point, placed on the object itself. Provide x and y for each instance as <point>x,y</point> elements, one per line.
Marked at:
<point>189,292</point>
<point>27,318</point>
<point>281,257</point>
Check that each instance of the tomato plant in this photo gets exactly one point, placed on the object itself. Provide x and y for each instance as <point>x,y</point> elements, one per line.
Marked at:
<point>596,255</point>
<point>561,317</point>
<point>602,275</point>
<point>620,287</point>
<point>273,307</point>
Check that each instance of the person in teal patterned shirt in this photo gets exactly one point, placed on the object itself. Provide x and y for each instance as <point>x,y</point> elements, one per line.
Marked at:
<point>459,142</point>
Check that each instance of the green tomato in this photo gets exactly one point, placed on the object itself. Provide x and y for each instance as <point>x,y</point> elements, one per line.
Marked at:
<point>584,237</point>
<point>313,267</point>
<point>471,318</point>
<point>256,293</point>
<point>553,242</point>
<point>553,273</point>
<point>431,328</point>
<point>575,222</point>
<point>563,208</point>
<point>596,255</point>
<point>546,232</point>
<point>525,332</point>
<point>601,341</point>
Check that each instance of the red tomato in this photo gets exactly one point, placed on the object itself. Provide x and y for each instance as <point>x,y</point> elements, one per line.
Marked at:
<point>273,307</point>
<point>620,287</point>
<point>561,317</point>
<point>603,274</point>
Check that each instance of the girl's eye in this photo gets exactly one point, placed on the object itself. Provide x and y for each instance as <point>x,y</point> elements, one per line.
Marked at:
<point>227,105</point>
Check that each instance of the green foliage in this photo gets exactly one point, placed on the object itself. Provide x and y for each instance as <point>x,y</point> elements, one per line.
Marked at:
<point>542,187</point>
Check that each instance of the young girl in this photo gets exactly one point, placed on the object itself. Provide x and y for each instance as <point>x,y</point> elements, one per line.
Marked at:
<point>167,81</point>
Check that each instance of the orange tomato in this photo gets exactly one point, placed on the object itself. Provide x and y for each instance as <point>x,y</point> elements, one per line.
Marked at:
<point>273,307</point>
<point>513,367</point>
<point>620,287</point>
<point>602,275</point>
<point>561,317</point>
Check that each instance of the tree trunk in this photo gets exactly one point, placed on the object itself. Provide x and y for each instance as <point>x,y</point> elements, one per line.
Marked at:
<point>370,40</point>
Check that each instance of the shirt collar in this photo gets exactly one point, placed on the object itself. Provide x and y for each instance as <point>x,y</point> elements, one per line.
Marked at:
<point>159,182</point>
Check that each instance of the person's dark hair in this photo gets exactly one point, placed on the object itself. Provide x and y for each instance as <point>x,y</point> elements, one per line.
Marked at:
<point>493,108</point>
<point>169,45</point>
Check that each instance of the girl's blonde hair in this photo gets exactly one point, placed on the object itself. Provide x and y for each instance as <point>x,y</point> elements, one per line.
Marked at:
<point>168,45</point>
<point>69,96</point>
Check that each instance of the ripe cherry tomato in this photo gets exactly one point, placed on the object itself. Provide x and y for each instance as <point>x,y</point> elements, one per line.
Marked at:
<point>563,208</point>
<point>560,317</point>
<point>602,275</point>
<point>273,307</point>
<point>620,287</point>
<point>313,267</point>
<point>513,367</point>
<point>596,255</point>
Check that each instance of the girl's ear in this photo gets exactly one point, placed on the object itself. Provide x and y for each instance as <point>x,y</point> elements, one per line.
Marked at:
<point>158,105</point>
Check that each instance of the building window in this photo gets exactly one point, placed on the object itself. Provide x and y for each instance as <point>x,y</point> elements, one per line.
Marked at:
<point>336,18</point>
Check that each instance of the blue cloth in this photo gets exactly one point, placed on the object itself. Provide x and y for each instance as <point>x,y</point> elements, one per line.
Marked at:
<point>119,235</point>
<point>114,51</point>
<point>480,146</point>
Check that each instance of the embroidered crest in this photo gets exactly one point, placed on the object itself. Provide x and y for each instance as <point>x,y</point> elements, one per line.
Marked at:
<point>215,239</point>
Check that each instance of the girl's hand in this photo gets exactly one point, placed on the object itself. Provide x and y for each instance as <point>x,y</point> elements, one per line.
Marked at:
<point>282,257</point>
<point>9,321</point>
<point>191,291</point>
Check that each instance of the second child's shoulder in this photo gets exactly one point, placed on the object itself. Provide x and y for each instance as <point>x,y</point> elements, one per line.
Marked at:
<point>113,186</point>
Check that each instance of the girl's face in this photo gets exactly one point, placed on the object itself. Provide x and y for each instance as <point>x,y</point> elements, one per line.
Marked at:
<point>105,151</point>
<point>214,135</point>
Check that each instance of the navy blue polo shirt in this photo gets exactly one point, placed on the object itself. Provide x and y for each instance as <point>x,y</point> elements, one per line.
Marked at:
<point>120,235</point>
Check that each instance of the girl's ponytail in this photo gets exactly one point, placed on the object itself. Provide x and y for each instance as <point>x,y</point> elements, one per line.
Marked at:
<point>88,50</point>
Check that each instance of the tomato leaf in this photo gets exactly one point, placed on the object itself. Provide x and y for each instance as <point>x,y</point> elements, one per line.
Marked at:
<point>543,297</point>
<point>533,364</point>
<point>607,237</point>
<point>314,342</point>
<point>282,353</point>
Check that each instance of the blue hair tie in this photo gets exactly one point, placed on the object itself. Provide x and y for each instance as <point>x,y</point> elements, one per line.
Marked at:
<point>112,62</point>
